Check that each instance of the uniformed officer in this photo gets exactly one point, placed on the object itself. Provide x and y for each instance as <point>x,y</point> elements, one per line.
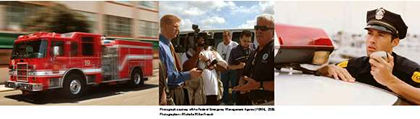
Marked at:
<point>259,69</point>
<point>395,73</point>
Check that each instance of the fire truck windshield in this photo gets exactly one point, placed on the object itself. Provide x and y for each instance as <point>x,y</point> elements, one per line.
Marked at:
<point>30,49</point>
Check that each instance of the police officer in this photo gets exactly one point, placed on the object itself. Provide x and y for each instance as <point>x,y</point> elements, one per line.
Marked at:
<point>395,73</point>
<point>259,69</point>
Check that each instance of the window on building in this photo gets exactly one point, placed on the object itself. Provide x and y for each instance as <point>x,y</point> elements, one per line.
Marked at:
<point>16,13</point>
<point>91,19</point>
<point>148,29</point>
<point>117,26</point>
<point>88,46</point>
<point>148,4</point>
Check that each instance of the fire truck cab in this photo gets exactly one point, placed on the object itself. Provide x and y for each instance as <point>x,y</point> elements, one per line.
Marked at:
<point>70,62</point>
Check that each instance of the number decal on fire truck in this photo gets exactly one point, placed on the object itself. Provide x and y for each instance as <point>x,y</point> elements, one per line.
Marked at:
<point>87,62</point>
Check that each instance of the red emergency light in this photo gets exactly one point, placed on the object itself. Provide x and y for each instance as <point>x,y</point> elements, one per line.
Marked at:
<point>302,45</point>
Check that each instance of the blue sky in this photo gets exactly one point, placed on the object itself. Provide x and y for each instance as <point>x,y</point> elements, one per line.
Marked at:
<point>216,14</point>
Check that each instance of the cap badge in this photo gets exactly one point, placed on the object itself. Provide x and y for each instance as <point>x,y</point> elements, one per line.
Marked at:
<point>380,13</point>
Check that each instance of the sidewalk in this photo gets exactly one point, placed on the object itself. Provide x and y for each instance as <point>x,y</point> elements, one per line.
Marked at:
<point>4,74</point>
<point>3,88</point>
<point>155,63</point>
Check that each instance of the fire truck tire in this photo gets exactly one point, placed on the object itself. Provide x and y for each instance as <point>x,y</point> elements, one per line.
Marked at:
<point>74,86</point>
<point>136,78</point>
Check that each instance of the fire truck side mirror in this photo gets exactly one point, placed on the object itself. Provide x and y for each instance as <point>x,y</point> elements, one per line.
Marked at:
<point>56,51</point>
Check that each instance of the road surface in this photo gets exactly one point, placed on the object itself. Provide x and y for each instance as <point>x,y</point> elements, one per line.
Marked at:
<point>98,95</point>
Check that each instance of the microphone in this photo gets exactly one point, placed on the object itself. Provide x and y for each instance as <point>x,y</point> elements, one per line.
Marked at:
<point>212,63</point>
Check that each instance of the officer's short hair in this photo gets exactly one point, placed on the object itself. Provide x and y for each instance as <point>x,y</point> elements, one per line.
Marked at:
<point>267,17</point>
<point>246,33</point>
<point>394,37</point>
<point>227,32</point>
<point>169,19</point>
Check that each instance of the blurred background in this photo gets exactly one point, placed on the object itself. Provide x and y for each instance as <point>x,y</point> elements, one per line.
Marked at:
<point>344,21</point>
<point>129,20</point>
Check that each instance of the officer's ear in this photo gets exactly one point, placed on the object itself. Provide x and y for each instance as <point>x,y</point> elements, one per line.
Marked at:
<point>395,42</point>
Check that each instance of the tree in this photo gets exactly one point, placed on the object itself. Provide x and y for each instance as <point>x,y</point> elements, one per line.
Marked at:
<point>56,18</point>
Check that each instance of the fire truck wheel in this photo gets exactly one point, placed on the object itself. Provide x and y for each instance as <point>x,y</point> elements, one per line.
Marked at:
<point>137,78</point>
<point>73,86</point>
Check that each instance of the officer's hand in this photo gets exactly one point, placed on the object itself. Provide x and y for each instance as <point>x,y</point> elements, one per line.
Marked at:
<point>163,100</point>
<point>381,69</point>
<point>241,65</point>
<point>337,73</point>
<point>242,81</point>
<point>195,73</point>
<point>250,85</point>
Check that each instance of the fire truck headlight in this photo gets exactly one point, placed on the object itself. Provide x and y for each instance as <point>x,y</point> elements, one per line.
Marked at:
<point>37,87</point>
<point>10,73</point>
<point>32,73</point>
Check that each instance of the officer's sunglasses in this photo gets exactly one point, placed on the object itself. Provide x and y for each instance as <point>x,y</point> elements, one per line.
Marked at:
<point>262,28</point>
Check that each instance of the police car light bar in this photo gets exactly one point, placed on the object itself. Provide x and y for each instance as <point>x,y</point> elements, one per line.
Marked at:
<point>300,45</point>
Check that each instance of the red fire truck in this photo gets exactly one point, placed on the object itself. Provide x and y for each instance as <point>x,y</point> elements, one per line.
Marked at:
<point>72,61</point>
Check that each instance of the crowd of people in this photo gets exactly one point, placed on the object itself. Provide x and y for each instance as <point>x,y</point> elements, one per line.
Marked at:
<point>230,74</point>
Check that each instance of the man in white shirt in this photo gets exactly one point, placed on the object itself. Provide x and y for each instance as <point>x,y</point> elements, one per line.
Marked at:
<point>210,76</point>
<point>224,48</point>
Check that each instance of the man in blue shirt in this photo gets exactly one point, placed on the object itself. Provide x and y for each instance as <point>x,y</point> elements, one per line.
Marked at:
<point>169,25</point>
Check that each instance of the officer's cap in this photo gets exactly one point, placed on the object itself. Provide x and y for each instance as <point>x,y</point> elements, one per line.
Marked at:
<point>384,20</point>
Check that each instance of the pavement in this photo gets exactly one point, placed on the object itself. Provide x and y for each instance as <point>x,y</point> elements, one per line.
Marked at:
<point>4,75</point>
<point>120,94</point>
<point>3,88</point>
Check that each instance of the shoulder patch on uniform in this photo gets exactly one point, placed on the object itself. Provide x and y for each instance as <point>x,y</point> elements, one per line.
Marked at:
<point>343,64</point>
<point>265,56</point>
<point>416,77</point>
